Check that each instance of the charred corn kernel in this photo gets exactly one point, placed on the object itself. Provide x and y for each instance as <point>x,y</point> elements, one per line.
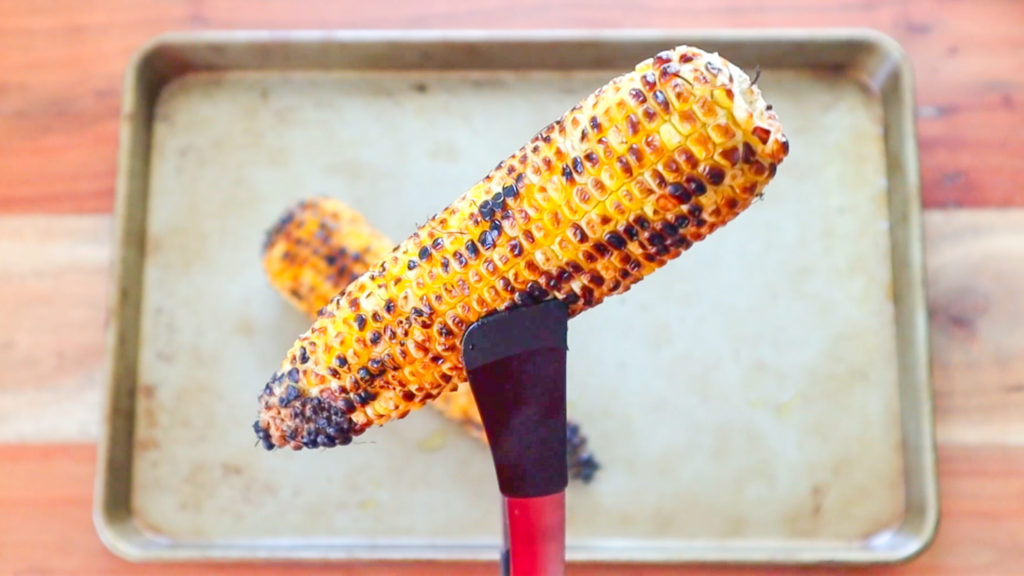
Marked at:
<point>313,401</point>
<point>320,245</point>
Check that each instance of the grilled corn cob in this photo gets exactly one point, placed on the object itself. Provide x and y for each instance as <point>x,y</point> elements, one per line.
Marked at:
<point>319,246</point>
<point>629,178</point>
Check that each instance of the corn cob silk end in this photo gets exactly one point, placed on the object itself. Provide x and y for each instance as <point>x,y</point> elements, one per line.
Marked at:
<point>627,180</point>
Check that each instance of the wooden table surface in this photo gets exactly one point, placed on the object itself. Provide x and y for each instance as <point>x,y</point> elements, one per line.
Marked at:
<point>61,63</point>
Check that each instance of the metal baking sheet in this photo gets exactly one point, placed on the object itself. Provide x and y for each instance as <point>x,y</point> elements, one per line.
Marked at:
<point>765,398</point>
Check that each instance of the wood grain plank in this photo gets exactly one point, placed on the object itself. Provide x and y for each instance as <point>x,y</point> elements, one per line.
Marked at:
<point>53,279</point>
<point>975,275</point>
<point>965,121</point>
<point>46,495</point>
<point>61,64</point>
<point>976,294</point>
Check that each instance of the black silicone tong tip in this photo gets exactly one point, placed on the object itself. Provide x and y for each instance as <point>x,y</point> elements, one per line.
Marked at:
<point>516,364</point>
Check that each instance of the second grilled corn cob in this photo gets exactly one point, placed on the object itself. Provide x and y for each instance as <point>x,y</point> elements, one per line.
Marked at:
<point>319,246</point>
<point>629,178</point>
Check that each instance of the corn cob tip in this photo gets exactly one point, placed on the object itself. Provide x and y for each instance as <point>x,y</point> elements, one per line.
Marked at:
<point>624,182</point>
<point>284,222</point>
<point>289,418</point>
<point>582,463</point>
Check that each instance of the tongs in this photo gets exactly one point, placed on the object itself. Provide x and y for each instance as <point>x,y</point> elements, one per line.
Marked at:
<point>516,365</point>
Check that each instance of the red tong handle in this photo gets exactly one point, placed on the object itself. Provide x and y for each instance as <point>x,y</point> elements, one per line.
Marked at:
<point>516,362</point>
<point>536,535</point>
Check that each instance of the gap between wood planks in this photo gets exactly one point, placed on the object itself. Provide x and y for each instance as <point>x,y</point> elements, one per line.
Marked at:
<point>53,290</point>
